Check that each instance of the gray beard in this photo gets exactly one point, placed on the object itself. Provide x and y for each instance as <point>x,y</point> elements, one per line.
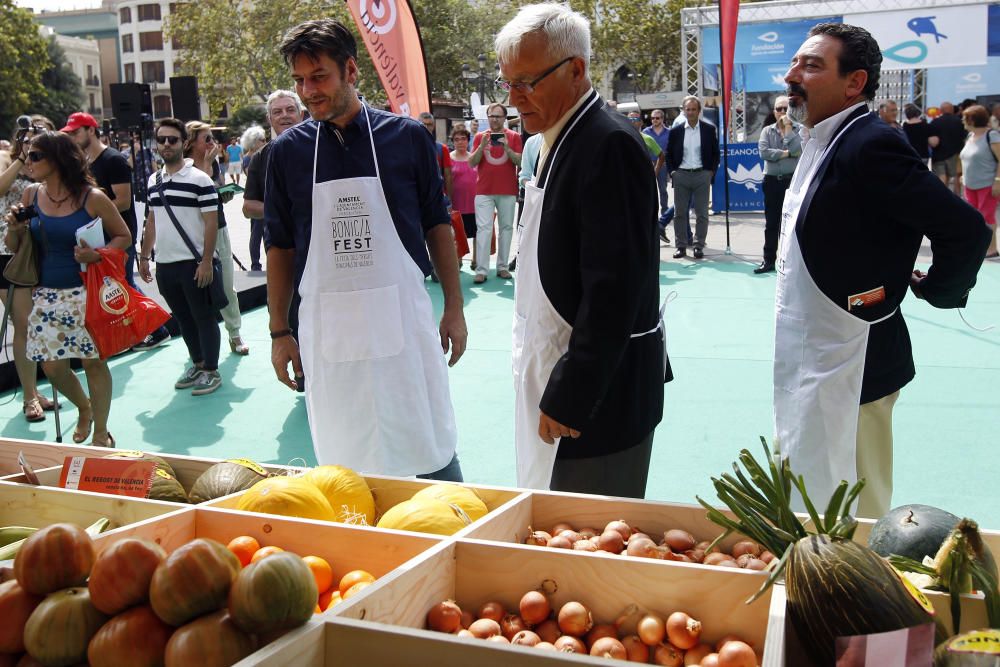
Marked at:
<point>798,113</point>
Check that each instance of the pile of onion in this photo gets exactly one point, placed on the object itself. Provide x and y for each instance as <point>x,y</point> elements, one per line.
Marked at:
<point>618,537</point>
<point>636,636</point>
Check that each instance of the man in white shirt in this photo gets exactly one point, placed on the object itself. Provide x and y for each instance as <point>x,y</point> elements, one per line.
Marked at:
<point>692,158</point>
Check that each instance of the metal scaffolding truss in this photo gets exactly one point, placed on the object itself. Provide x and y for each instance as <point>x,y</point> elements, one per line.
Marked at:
<point>899,85</point>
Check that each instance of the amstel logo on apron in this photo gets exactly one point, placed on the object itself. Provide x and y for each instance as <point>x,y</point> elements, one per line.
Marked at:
<point>352,235</point>
<point>113,297</point>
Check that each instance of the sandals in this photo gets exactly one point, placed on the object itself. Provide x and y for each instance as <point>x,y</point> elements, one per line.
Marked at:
<point>504,274</point>
<point>47,404</point>
<point>479,279</point>
<point>33,411</point>
<point>81,434</point>
<point>238,347</point>
<point>109,442</point>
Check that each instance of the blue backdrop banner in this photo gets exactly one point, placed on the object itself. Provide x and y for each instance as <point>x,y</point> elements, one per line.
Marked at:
<point>762,42</point>
<point>954,84</point>
<point>746,173</point>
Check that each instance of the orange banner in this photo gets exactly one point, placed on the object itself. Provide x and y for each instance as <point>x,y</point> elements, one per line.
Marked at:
<point>390,33</point>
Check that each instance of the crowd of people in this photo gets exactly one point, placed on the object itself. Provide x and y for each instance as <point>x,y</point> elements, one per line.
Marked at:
<point>357,206</point>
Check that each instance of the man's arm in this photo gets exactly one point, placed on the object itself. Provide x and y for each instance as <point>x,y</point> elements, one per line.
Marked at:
<point>253,195</point>
<point>479,146</point>
<point>148,243</point>
<point>441,245</point>
<point>767,153</point>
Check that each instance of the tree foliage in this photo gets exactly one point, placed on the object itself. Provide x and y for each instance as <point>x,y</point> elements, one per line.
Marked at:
<point>61,92</point>
<point>244,117</point>
<point>23,58</point>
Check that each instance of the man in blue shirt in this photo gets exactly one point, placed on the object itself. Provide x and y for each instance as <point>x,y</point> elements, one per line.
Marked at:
<point>660,133</point>
<point>235,153</point>
<point>354,201</point>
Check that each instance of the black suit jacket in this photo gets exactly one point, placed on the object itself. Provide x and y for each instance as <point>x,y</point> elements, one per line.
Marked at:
<point>598,260</point>
<point>860,228</point>
<point>710,153</point>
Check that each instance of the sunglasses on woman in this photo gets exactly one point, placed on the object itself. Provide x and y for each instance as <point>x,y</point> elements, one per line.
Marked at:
<point>170,141</point>
<point>36,156</point>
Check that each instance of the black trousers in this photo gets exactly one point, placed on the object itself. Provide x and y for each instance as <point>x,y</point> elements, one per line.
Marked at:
<point>190,306</point>
<point>256,240</point>
<point>774,198</point>
<point>621,474</point>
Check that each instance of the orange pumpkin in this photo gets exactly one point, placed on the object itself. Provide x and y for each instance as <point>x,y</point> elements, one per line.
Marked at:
<point>121,575</point>
<point>58,631</point>
<point>16,606</point>
<point>209,641</point>
<point>275,593</point>
<point>192,581</point>
<point>56,557</point>
<point>136,637</point>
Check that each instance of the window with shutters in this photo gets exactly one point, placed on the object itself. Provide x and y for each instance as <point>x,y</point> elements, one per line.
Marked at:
<point>129,72</point>
<point>127,45</point>
<point>151,41</point>
<point>125,15</point>
<point>149,12</point>
<point>153,72</point>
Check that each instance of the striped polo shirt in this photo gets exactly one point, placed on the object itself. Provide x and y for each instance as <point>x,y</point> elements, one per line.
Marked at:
<point>190,192</point>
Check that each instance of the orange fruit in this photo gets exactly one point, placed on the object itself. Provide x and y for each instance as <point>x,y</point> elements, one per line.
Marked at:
<point>356,588</point>
<point>244,547</point>
<point>353,577</point>
<point>322,572</point>
<point>264,552</point>
<point>329,598</point>
<point>318,610</point>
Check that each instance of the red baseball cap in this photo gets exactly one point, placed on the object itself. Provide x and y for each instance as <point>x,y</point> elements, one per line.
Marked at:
<point>78,120</point>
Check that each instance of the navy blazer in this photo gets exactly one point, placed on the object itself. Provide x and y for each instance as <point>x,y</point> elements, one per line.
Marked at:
<point>860,227</point>
<point>710,154</point>
<point>598,262</point>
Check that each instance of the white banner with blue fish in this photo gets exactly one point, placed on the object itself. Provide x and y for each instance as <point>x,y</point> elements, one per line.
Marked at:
<point>928,36</point>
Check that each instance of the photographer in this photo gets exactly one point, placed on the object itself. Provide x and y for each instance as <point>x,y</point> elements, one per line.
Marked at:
<point>780,147</point>
<point>17,300</point>
<point>64,199</point>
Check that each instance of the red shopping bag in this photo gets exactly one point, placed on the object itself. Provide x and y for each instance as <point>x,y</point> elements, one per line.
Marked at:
<point>461,240</point>
<point>118,316</point>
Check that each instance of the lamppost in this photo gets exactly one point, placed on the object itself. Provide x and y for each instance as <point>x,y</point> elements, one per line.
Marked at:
<point>480,77</point>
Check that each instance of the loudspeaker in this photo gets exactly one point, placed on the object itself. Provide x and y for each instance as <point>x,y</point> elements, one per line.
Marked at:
<point>129,101</point>
<point>184,95</point>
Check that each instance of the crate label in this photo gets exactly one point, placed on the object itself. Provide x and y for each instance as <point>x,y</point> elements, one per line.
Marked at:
<point>120,477</point>
<point>908,647</point>
<point>160,472</point>
<point>127,454</point>
<point>916,593</point>
<point>981,641</point>
<point>247,463</point>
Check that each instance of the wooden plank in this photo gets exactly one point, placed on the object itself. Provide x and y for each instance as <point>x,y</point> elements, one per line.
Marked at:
<point>304,647</point>
<point>24,505</point>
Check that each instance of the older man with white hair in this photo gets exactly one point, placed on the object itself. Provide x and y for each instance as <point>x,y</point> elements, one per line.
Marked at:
<point>284,109</point>
<point>588,354</point>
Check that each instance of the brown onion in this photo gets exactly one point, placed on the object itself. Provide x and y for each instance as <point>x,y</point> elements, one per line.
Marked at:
<point>679,540</point>
<point>637,536</point>
<point>570,535</point>
<point>766,556</point>
<point>585,545</point>
<point>485,628</point>
<point>538,538</point>
<point>643,547</point>
<point>445,617</point>
<point>575,619</point>
<point>560,542</point>
<point>587,533</point>
<point>755,564</point>
<point>611,541</point>
<point>682,630</point>
<point>635,650</point>
<point>628,621</point>
<point>717,558</point>
<point>722,642</point>
<point>599,631</point>
<point>737,654</point>
<point>745,547</point>
<point>560,527</point>
<point>493,611</point>
<point>695,655</point>
<point>534,608</point>
<point>651,629</point>
<point>549,631</point>
<point>467,619</point>
<point>499,639</point>
<point>710,660</point>
<point>569,644</point>
<point>668,655</point>
<point>619,527</point>
<point>511,625</point>
<point>464,634</point>
<point>696,555</point>
<point>526,638</point>
<point>703,546</point>
<point>608,647</point>
<point>546,645</point>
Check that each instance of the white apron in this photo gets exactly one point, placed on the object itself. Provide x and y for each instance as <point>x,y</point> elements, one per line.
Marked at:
<point>540,338</point>
<point>819,363</point>
<point>376,379</point>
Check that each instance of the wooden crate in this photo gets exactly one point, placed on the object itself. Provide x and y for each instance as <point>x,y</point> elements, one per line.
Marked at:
<point>390,491</point>
<point>23,505</point>
<point>385,625</point>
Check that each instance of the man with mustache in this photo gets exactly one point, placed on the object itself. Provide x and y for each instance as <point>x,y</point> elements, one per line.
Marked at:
<point>354,202</point>
<point>842,351</point>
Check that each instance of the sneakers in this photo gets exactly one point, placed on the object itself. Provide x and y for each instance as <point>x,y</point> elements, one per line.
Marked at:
<point>153,340</point>
<point>188,378</point>
<point>206,383</point>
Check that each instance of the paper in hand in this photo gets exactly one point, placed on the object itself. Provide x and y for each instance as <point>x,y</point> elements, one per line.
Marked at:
<point>92,234</point>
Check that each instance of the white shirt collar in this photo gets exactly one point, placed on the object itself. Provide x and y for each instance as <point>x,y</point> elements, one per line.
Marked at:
<point>550,135</point>
<point>183,171</point>
<point>823,131</point>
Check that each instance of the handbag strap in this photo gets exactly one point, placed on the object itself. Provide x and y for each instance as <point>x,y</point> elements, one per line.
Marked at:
<point>41,224</point>
<point>173,218</point>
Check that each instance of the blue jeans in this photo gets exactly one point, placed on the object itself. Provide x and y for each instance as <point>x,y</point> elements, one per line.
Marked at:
<point>450,473</point>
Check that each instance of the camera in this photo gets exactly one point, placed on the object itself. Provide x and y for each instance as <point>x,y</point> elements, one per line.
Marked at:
<point>26,213</point>
<point>495,138</point>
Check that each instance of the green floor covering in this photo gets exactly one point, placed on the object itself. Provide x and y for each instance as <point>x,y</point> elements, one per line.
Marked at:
<point>720,330</point>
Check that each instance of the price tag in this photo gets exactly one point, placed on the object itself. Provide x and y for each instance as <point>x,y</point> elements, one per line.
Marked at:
<point>985,642</point>
<point>120,477</point>
<point>247,463</point>
<point>909,647</point>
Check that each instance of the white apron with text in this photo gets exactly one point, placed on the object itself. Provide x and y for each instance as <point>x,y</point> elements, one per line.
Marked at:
<point>376,378</point>
<point>819,362</point>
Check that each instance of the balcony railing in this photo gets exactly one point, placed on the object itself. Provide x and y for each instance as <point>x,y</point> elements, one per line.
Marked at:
<point>92,81</point>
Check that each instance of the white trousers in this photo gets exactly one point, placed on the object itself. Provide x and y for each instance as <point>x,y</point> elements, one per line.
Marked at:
<point>504,206</point>
<point>231,313</point>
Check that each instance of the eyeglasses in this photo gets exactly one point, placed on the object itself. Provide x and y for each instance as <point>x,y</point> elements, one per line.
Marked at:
<point>781,108</point>
<point>209,139</point>
<point>657,117</point>
<point>529,87</point>
<point>36,156</point>
<point>170,141</point>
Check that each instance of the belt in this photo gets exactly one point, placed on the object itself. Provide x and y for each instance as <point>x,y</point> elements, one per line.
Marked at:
<point>683,169</point>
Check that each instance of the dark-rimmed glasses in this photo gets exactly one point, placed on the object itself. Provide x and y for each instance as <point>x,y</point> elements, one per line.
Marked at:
<point>528,88</point>
<point>36,156</point>
<point>781,108</point>
<point>170,141</point>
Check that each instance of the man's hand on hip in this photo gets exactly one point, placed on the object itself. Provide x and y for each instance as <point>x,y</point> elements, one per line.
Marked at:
<point>549,429</point>
<point>453,329</point>
<point>285,350</point>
